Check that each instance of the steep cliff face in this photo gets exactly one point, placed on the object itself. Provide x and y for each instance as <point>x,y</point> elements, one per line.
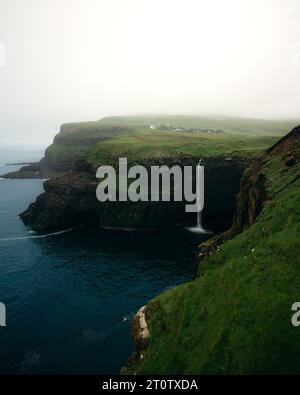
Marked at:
<point>235,317</point>
<point>67,201</point>
<point>253,195</point>
<point>80,148</point>
<point>71,199</point>
<point>255,188</point>
<point>74,140</point>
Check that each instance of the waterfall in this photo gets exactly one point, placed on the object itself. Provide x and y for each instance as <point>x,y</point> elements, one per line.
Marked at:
<point>199,220</point>
<point>199,228</point>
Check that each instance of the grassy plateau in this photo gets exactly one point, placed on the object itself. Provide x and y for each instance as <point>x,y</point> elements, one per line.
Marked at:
<point>147,137</point>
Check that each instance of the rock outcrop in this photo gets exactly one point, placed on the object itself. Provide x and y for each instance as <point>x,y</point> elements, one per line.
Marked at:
<point>140,331</point>
<point>37,170</point>
<point>67,201</point>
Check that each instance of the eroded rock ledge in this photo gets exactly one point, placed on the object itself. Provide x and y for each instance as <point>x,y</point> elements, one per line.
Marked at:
<point>140,335</point>
<point>140,331</point>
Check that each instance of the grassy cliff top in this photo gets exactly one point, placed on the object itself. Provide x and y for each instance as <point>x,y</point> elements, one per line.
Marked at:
<point>111,126</point>
<point>160,144</point>
<point>235,318</point>
<point>227,124</point>
<point>147,137</point>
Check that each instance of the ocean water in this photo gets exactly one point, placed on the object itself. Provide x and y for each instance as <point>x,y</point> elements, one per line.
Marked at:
<point>70,296</point>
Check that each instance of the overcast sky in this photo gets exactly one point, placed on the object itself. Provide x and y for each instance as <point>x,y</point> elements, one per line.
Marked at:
<point>76,60</point>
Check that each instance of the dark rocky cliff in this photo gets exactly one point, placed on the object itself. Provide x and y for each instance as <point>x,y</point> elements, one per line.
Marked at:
<point>71,199</point>
<point>253,195</point>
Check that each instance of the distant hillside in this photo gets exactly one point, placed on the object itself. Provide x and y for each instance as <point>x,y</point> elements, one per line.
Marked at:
<point>160,135</point>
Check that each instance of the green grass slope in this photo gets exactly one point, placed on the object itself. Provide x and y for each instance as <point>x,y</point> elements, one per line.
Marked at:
<point>235,317</point>
<point>160,144</point>
<point>132,136</point>
<point>229,125</point>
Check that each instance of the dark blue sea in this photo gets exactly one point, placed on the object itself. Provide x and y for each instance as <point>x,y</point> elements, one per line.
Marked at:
<point>70,297</point>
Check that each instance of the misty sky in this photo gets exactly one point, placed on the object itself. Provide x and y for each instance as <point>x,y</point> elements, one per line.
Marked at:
<point>77,60</point>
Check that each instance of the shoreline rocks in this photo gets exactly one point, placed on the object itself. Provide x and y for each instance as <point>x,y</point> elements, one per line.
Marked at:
<point>33,171</point>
